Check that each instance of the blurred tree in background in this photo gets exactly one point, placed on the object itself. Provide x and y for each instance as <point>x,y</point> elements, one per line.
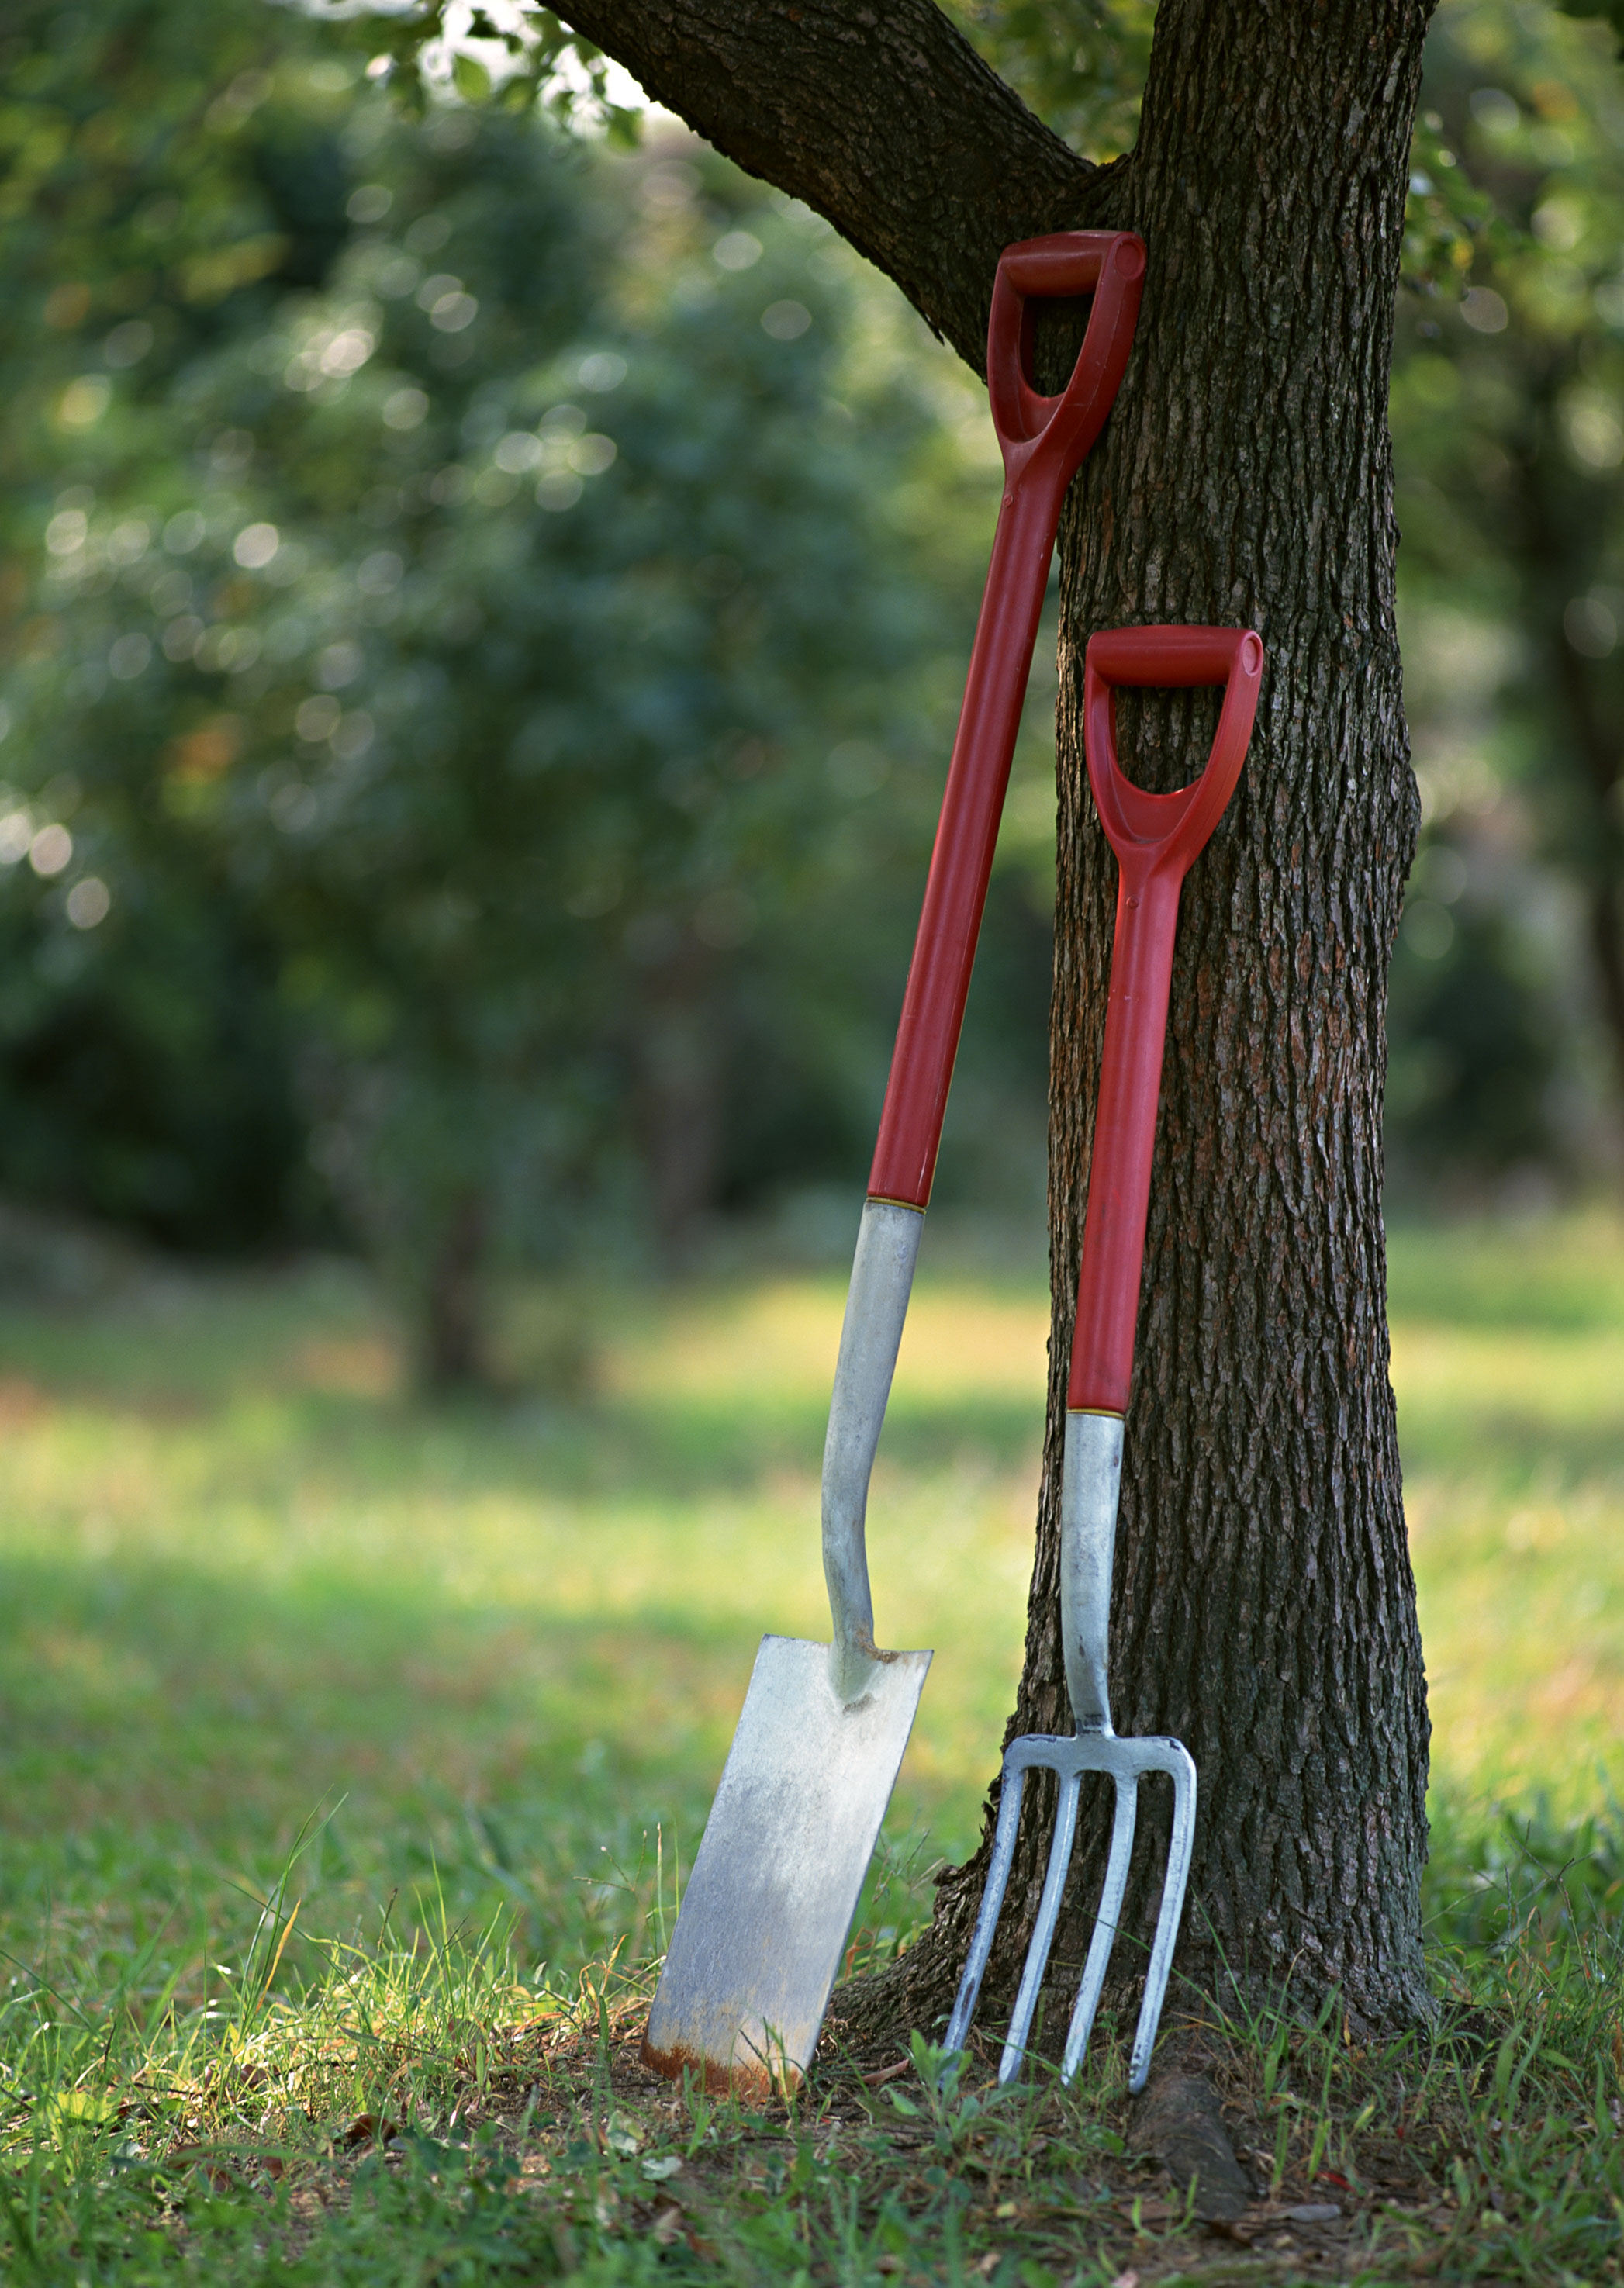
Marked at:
<point>486,611</point>
<point>144,1074</point>
<point>1508,422</point>
<point>490,620</point>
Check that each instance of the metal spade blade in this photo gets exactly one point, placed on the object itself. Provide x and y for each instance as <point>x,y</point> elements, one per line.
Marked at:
<point>781,1869</point>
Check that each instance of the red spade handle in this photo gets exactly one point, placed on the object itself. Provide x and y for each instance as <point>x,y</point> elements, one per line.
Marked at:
<point>1157,837</point>
<point>1043,440</point>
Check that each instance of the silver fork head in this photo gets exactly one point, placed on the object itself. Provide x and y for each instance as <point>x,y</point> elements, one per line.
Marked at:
<point>1126,1762</point>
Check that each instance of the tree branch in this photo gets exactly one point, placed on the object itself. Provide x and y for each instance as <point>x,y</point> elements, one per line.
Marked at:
<point>876,112</point>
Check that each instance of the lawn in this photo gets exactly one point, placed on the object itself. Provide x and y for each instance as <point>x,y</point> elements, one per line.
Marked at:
<point>271,1633</point>
<point>244,1582</point>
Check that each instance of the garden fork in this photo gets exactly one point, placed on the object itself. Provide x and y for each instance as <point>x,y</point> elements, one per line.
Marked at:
<point>1156,839</point>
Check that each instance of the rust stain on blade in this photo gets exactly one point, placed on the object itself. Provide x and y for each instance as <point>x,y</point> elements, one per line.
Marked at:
<point>752,2080</point>
<point>778,1876</point>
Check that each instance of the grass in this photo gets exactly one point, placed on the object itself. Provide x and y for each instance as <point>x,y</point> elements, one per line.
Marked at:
<point>1508,1361</point>
<point>350,1752</point>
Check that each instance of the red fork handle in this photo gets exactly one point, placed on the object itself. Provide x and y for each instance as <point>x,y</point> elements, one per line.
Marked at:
<point>1156,839</point>
<point>1044,442</point>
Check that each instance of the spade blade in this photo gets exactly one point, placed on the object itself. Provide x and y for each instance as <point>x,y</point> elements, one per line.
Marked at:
<point>779,1870</point>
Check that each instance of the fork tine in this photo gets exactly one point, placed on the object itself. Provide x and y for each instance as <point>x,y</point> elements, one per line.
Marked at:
<point>1126,1762</point>
<point>1183,1775</point>
<point>1105,1926</point>
<point>1043,1930</point>
<point>991,1904</point>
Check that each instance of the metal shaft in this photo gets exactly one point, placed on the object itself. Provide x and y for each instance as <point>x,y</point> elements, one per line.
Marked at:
<point>1090,1483</point>
<point>877,1305</point>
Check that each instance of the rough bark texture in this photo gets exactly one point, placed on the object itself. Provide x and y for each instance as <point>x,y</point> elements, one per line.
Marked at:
<point>1265,1604</point>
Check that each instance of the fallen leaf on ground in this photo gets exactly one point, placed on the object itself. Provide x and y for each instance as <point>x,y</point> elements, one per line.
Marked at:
<point>223,2178</point>
<point>369,2129</point>
<point>667,2225</point>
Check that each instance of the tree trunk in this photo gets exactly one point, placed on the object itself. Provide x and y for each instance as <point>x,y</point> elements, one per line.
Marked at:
<point>680,1100</point>
<point>454,1318</point>
<point>1265,1604</point>
<point>1607,945</point>
<point>1565,528</point>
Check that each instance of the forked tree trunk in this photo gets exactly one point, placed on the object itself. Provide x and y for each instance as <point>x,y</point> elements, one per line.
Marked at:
<point>1265,1607</point>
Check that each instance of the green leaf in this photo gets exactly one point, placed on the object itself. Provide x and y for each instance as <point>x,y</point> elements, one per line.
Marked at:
<point>473,81</point>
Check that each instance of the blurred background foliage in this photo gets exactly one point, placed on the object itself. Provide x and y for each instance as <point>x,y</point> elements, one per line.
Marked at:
<point>486,593</point>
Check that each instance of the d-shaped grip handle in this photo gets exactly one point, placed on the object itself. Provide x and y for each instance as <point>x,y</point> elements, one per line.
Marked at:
<point>1059,431</point>
<point>1156,837</point>
<point>1042,440</point>
<point>1167,831</point>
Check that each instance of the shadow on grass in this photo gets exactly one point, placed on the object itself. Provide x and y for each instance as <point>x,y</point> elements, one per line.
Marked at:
<point>726,1446</point>
<point>167,1731</point>
<point>282,1421</point>
<point>242,1578</point>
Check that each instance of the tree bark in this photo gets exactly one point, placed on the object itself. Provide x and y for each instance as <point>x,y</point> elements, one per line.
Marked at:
<point>1265,1603</point>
